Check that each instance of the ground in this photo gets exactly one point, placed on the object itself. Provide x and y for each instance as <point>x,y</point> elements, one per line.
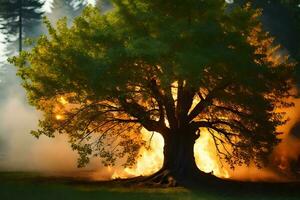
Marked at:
<point>32,186</point>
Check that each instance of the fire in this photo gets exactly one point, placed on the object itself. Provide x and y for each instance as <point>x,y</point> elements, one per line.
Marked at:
<point>206,156</point>
<point>59,108</point>
<point>151,159</point>
<point>207,159</point>
<point>59,117</point>
<point>63,101</point>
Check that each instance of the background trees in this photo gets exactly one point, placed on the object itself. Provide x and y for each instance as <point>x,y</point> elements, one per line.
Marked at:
<point>32,27</point>
<point>20,16</point>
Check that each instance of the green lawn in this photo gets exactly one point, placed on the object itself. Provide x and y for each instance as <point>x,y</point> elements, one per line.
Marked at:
<point>16,185</point>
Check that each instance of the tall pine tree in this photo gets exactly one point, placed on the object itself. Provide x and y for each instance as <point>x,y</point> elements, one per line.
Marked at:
<point>19,16</point>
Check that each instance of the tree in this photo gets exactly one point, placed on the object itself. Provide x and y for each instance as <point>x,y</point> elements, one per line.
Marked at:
<point>172,67</point>
<point>19,15</point>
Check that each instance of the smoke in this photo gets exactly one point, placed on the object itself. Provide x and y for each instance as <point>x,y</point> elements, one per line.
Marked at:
<point>284,163</point>
<point>20,151</point>
<point>288,151</point>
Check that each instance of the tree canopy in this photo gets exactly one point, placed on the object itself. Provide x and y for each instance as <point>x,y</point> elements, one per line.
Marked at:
<point>169,66</point>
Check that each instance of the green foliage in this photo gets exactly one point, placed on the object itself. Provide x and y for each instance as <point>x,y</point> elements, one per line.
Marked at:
<point>118,72</point>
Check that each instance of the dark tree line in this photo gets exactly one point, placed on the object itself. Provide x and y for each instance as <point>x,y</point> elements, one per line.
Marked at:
<point>19,16</point>
<point>31,27</point>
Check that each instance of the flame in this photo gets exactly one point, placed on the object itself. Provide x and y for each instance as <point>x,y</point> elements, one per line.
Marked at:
<point>206,156</point>
<point>151,156</point>
<point>59,117</point>
<point>62,100</point>
<point>60,108</point>
<point>151,159</point>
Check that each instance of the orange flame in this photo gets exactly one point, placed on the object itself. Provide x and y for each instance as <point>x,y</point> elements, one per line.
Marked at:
<point>206,156</point>
<point>63,101</point>
<point>151,159</point>
<point>59,117</point>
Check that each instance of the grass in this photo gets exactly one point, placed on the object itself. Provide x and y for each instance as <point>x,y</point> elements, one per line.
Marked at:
<point>33,186</point>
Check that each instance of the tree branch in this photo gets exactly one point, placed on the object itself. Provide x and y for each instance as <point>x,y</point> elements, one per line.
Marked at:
<point>204,102</point>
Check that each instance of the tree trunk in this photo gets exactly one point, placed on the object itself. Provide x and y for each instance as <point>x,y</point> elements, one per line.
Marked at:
<point>20,25</point>
<point>179,162</point>
<point>179,154</point>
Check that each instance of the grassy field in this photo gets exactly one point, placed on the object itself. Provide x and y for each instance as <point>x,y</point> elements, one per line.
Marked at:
<point>31,186</point>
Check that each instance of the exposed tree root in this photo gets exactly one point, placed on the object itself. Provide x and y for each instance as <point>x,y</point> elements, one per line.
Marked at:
<point>164,178</point>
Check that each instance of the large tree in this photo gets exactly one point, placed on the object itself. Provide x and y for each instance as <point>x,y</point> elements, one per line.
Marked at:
<point>168,66</point>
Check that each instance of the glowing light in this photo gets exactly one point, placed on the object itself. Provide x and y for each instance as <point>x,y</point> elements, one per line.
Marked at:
<point>205,153</point>
<point>206,156</point>
<point>151,159</point>
<point>63,101</point>
<point>59,117</point>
